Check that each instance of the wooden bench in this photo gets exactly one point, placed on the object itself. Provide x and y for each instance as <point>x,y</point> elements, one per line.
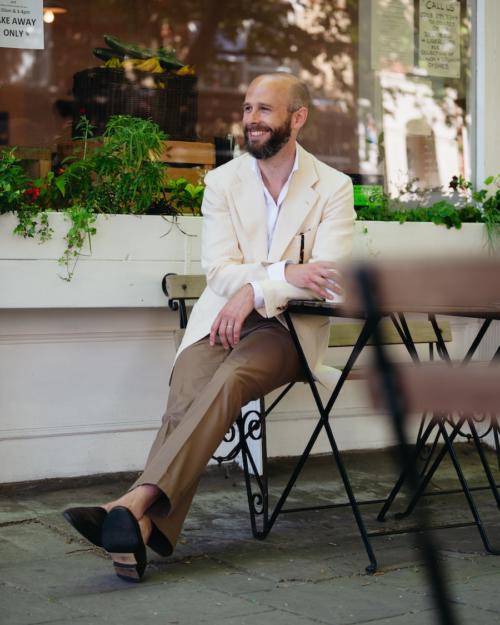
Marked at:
<point>188,159</point>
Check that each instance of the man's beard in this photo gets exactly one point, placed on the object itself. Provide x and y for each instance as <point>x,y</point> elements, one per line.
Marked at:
<point>278,138</point>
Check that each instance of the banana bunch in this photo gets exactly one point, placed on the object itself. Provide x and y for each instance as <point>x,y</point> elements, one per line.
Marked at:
<point>151,65</point>
<point>114,63</point>
<point>187,70</point>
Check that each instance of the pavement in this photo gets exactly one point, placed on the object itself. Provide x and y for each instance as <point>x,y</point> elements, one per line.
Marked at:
<point>310,569</point>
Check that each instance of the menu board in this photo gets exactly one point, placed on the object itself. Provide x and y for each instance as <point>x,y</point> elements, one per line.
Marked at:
<point>21,24</point>
<point>392,35</point>
<point>439,37</point>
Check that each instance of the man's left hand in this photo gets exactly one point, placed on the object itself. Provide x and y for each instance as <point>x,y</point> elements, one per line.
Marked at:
<point>230,319</point>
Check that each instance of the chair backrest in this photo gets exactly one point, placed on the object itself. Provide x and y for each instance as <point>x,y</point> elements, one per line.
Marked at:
<point>458,286</point>
<point>470,288</point>
<point>181,291</point>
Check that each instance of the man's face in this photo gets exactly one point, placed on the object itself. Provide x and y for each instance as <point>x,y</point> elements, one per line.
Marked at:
<point>263,141</point>
<point>267,122</point>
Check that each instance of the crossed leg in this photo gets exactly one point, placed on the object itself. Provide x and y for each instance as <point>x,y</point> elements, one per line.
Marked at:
<point>209,386</point>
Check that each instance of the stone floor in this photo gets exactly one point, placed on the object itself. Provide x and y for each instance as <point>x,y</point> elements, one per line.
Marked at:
<point>310,569</point>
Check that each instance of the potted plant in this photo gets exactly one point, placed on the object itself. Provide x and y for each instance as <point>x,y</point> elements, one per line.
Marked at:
<point>118,174</point>
<point>464,221</point>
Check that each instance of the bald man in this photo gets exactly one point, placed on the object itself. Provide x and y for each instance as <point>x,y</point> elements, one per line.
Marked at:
<point>275,223</point>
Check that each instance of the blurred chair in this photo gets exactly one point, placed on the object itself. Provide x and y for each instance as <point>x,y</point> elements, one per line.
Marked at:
<point>468,288</point>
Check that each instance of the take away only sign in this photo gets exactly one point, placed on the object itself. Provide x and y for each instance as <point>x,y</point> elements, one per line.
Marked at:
<point>21,24</point>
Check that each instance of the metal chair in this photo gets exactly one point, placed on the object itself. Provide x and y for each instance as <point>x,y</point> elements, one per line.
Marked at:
<point>469,288</point>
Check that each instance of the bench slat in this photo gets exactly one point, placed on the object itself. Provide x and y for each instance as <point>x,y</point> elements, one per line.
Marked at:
<point>192,152</point>
<point>346,334</point>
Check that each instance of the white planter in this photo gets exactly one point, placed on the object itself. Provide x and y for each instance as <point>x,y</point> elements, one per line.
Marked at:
<point>389,239</point>
<point>129,256</point>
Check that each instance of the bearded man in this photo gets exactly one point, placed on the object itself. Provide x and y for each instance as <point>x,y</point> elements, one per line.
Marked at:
<point>275,223</point>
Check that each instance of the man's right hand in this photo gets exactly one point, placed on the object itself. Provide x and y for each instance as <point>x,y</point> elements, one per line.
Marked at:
<point>320,277</point>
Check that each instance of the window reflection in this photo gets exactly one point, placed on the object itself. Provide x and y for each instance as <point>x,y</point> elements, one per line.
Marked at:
<point>387,101</point>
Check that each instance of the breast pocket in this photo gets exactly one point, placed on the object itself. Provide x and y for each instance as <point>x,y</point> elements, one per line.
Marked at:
<point>300,248</point>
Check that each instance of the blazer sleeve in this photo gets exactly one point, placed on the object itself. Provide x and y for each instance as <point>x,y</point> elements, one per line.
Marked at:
<point>222,259</point>
<point>333,242</point>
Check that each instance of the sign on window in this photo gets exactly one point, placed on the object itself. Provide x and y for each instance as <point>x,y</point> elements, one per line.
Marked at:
<point>21,24</point>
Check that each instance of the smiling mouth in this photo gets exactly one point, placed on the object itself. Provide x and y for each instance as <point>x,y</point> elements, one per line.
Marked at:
<point>257,133</point>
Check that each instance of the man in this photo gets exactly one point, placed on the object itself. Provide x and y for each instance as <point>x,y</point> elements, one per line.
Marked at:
<point>275,223</point>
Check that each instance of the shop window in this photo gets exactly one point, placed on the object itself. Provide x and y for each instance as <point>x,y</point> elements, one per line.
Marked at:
<point>389,78</point>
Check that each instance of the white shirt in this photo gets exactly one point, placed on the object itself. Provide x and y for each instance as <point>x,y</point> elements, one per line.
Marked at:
<point>276,271</point>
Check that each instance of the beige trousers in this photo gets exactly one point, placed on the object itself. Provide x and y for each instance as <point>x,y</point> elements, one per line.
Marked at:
<point>209,386</point>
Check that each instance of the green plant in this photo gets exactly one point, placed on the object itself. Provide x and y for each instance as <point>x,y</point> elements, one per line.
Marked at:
<point>464,206</point>
<point>121,175</point>
<point>24,197</point>
<point>119,172</point>
<point>184,195</point>
<point>489,199</point>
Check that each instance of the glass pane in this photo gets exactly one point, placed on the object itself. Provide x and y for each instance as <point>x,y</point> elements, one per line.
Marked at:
<point>389,78</point>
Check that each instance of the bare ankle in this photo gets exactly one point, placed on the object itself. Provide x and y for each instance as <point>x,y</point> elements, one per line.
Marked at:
<point>137,500</point>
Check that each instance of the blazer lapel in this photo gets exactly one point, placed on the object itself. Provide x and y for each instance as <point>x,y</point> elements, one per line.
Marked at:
<point>299,200</point>
<point>250,208</point>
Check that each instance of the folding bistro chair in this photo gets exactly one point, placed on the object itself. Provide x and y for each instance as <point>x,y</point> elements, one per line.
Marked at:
<point>469,288</point>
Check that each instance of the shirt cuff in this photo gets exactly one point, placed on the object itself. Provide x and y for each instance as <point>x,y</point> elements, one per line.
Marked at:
<point>276,271</point>
<point>258,295</point>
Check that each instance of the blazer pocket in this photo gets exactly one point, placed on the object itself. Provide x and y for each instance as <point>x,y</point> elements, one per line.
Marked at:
<point>300,247</point>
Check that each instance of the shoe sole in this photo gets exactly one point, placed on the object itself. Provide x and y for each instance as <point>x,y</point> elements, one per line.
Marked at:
<point>121,538</point>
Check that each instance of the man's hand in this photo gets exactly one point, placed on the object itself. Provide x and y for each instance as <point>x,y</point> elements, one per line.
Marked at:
<point>321,277</point>
<point>228,322</point>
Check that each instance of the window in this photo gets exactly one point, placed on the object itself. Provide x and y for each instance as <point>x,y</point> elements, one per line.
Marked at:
<point>389,78</point>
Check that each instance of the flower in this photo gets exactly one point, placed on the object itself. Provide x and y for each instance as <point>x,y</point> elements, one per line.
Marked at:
<point>32,193</point>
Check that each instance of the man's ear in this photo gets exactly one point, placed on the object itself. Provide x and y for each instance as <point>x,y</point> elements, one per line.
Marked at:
<point>299,117</point>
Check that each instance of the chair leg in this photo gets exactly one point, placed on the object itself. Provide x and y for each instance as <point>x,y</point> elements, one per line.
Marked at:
<point>252,425</point>
<point>404,473</point>
<point>468,495</point>
<point>484,462</point>
<point>424,482</point>
<point>372,567</point>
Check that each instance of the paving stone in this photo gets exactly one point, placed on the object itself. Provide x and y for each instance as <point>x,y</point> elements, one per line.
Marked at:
<point>346,601</point>
<point>182,603</point>
<point>310,569</point>
<point>479,592</point>
<point>20,606</point>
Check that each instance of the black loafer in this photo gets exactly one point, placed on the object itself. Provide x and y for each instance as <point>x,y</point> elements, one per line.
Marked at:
<point>88,521</point>
<point>122,539</point>
<point>159,543</point>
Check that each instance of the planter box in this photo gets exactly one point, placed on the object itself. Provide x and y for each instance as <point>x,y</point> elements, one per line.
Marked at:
<point>129,256</point>
<point>390,239</point>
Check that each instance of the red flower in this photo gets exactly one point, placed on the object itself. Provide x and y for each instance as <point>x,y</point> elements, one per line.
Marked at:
<point>32,193</point>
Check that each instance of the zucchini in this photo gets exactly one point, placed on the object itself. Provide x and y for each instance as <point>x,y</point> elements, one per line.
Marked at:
<point>128,49</point>
<point>106,54</point>
<point>168,59</point>
<point>166,56</point>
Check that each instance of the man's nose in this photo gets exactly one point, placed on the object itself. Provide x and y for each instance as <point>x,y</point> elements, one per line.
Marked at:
<point>250,117</point>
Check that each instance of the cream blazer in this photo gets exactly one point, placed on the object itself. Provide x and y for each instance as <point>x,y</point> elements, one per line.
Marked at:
<point>319,205</point>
